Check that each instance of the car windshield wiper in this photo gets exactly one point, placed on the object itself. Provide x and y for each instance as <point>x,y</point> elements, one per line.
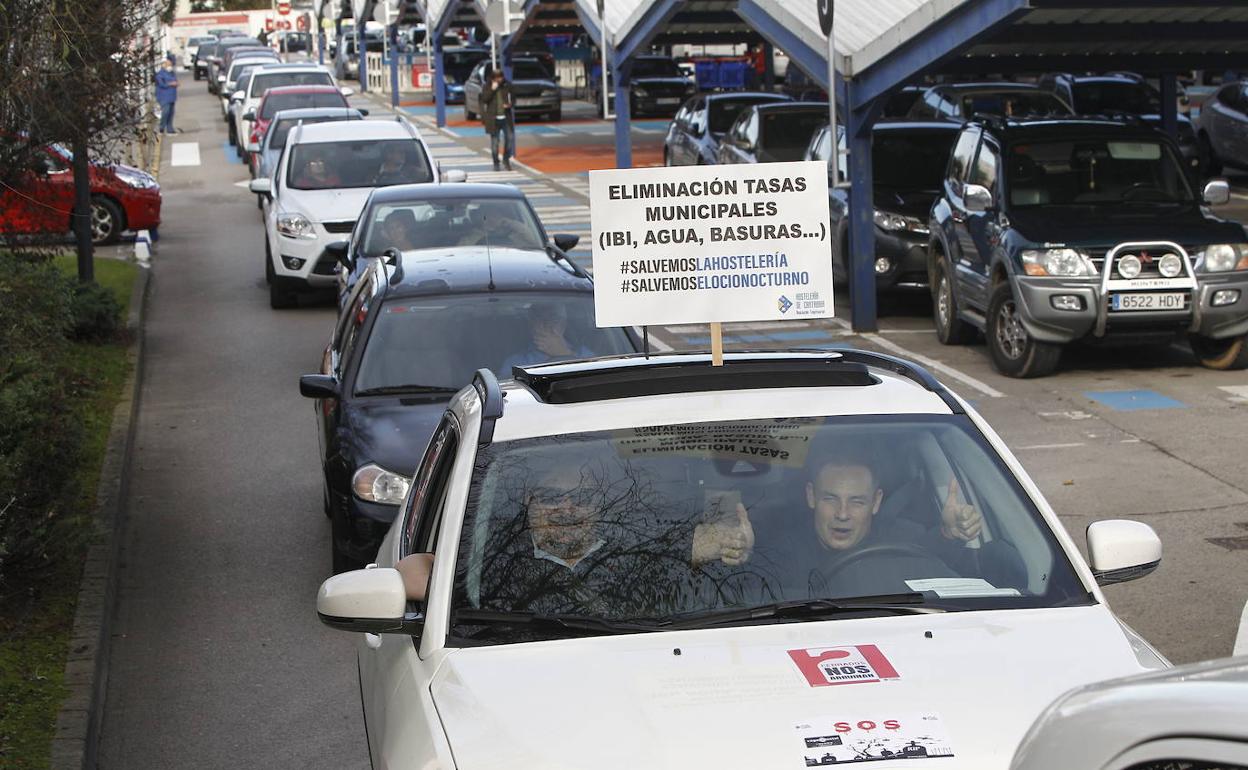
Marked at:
<point>913,603</point>
<point>555,622</point>
<point>386,390</point>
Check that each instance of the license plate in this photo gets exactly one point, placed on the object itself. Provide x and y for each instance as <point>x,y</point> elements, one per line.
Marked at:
<point>668,100</point>
<point>528,102</point>
<point>1149,301</point>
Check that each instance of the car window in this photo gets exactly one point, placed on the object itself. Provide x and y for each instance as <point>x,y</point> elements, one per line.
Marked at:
<point>1095,172</point>
<point>424,511</point>
<point>786,135</point>
<point>529,70</point>
<point>963,151</point>
<point>1108,97</point>
<point>275,103</point>
<point>749,130</point>
<point>1013,104</point>
<point>934,104</point>
<point>910,160</point>
<point>607,523</point>
<point>724,111</point>
<point>655,68</point>
<point>281,128</point>
<point>681,118</point>
<point>333,165</point>
<point>266,80</point>
<point>1230,95</point>
<point>452,222</point>
<point>985,170</point>
<point>52,163</point>
<point>821,145</point>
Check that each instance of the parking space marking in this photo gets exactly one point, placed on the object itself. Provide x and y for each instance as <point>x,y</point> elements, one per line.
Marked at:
<point>1239,393</point>
<point>184,154</point>
<point>231,155</point>
<point>1133,400</point>
<point>1054,446</point>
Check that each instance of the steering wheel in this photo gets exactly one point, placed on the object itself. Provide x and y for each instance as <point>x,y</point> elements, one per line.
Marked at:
<point>1134,191</point>
<point>901,549</point>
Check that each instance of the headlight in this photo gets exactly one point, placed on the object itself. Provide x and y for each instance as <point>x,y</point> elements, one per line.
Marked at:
<point>550,92</point>
<point>295,226</point>
<point>641,92</point>
<point>890,222</point>
<point>1170,265</point>
<point>1129,266</point>
<point>135,178</point>
<point>1226,256</point>
<point>375,484</point>
<point>1057,262</point>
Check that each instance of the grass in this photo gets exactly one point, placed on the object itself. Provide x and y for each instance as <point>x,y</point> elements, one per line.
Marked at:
<point>37,609</point>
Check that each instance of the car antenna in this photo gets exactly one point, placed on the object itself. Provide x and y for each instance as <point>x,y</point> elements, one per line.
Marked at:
<point>489,257</point>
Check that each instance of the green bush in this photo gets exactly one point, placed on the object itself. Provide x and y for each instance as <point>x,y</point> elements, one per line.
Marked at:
<point>96,313</point>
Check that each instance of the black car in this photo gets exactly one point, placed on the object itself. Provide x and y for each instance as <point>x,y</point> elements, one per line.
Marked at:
<point>216,56</point>
<point>418,323</point>
<point>656,86</point>
<point>766,133</point>
<point>700,124</point>
<point>1121,94</point>
<point>908,160</point>
<point>961,101</point>
<point>1052,231</point>
<point>533,86</point>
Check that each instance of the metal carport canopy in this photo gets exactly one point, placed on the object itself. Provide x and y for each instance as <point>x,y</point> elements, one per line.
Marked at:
<point>883,45</point>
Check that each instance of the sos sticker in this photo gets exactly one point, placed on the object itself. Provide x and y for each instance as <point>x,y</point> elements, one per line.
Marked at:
<point>872,738</point>
<point>856,664</point>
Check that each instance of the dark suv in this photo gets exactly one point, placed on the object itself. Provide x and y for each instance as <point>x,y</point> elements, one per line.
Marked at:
<point>1051,231</point>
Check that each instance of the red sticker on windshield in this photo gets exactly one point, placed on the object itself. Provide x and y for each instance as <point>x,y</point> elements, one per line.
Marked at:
<point>856,664</point>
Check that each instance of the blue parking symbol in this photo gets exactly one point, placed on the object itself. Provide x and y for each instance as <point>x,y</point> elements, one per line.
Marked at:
<point>1132,400</point>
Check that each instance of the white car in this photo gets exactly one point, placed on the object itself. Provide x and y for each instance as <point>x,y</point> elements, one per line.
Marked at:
<point>795,558</point>
<point>317,189</point>
<point>229,90</point>
<point>272,76</point>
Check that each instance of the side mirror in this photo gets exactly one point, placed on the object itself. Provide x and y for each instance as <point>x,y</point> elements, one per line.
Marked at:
<point>566,241</point>
<point>362,111</point>
<point>253,147</point>
<point>347,91</point>
<point>220,78</point>
<point>338,250</point>
<point>977,198</point>
<point>455,175</point>
<point>1217,192</point>
<point>249,115</point>
<point>262,186</point>
<point>237,96</point>
<point>367,600</point>
<point>318,386</point>
<point>1122,550</point>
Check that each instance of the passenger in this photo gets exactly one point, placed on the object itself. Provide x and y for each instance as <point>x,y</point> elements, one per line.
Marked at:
<point>395,168</point>
<point>399,231</point>
<point>548,322</point>
<point>488,225</point>
<point>316,174</point>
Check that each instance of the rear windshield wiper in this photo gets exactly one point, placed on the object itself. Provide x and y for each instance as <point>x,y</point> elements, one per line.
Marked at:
<point>387,390</point>
<point>913,603</point>
<point>554,622</point>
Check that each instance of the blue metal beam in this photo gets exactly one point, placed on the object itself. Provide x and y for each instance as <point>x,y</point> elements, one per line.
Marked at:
<point>528,11</point>
<point>1170,105</point>
<point>655,16</point>
<point>361,54</point>
<point>620,72</point>
<point>443,23</point>
<point>590,23</point>
<point>394,65</point>
<point>439,82</point>
<point>859,123</point>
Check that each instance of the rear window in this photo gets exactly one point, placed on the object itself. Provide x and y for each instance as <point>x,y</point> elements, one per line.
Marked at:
<point>656,68</point>
<point>786,135</point>
<point>275,103</point>
<point>278,79</point>
<point>1013,104</point>
<point>529,70</point>
<point>281,129</point>
<point>725,111</point>
<point>333,165</point>
<point>1116,97</point>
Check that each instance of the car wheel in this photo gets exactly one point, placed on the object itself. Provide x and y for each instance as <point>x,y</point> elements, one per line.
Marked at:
<point>268,263</point>
<point>280,298</point>
<point>1209,163</point>
<point>106,221</point>
<point>950,329</point>
<point>1227,354</point>
<point>1013,351</point>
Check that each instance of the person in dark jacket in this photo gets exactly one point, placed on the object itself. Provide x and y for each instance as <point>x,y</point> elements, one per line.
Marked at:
<point>497,116</point>
<point>166,95</point>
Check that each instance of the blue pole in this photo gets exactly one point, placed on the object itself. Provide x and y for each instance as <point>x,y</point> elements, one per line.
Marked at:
<point>439,82</point>
<point>394,65</point>
<point>861,219</point>
<point>623,139</point>
<point>1170,106</point>
<point>361,53</point>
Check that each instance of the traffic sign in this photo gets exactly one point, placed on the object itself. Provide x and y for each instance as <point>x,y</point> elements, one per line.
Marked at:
<point>283,8</point>
<point>825,15</point>
<point>496,16</point>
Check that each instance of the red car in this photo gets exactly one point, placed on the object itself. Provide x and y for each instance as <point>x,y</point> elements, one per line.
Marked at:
<point>287,98</point>
<point>122,198</point>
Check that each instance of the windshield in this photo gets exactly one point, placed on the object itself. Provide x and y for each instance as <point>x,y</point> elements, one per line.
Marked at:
<point>275,103</point>
<point>529,70</point>
<point>281,128</point>
<point>1095,172</point>
<point>622,524</point>
<point>910,160</point>
<point>202,40</point>
<point>439,342</point>
<point>656,68</point>
<point>1116,97</point>
<point>267,80</point>
<point>447,223</point>
<point>1013,104</point>
<point>787,133</point>
<point>459,64</point>
<point>365,163</point>
<point>723,112</point>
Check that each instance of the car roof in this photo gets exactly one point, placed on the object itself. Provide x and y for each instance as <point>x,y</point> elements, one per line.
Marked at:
<point>354,131</point>
<point>730,95</point>
<point>904,124</point>
<point>478,269</point>
<point>959,88</point>
<point>294,67</point>
<point>313,89</point>
<point>1032,128</point>
<point>429,191</point>
<point>790,106</point>
<point>299,113</point>
<point>672,388</point>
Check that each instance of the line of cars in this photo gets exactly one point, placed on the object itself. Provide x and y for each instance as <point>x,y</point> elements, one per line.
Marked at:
<point>1037,215</point>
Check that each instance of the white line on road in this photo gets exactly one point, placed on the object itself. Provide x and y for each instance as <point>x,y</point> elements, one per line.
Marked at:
<point>184,154</point>
<point>1054,446</point>
<point>932,363</point>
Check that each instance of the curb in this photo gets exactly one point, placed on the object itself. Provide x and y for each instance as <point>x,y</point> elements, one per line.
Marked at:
<point>76,739</point>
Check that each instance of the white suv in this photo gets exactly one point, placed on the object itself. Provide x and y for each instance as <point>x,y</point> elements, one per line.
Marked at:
<point>273,76</point>
<point>317,190</point>
<point>793,559</point>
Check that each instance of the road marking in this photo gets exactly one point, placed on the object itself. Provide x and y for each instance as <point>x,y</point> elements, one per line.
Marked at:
<point>1239,393</point>
<point>1054,446</point>
<point>932,363</point>
<point>1074,414</point>
<point>1133,400</point>
<point>184,154</point>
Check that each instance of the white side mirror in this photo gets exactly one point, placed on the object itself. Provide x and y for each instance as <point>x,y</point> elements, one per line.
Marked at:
<point>1241,638</point>
<point>977,197</point>
<point>253,147</point>
<point>371,600</point>
<point>220,78</point>
<point>347,91</point>
<point>455,175</point>
<point>1217,192</point>
<point>237,96</point>
<point>1122,550</point>
<point>263,186</point>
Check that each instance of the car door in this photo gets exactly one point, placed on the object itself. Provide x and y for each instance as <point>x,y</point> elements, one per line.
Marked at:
<point>1220,117</point>
<point>42,200</point>
<point>983,233</point>
<point>337,354</point>
<point>957,236</point>
<point>472,89</point>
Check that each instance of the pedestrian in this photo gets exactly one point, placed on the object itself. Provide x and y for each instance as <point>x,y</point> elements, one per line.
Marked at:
<point>166,95</point>
<point>498,117</point>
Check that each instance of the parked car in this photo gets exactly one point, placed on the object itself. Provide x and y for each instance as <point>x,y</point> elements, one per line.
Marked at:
<point>1122,94</point>
<point>218,62</point>
<point>533,45</point>
<point>458,64</point>
<point>278,76</point>
<point>265,160</point>
<point>554,540</point>
<point>1190,717</point>
<point>288,98</point>
<point>233,75</point>
<point>413,332</point>
<point>42,200</point>
<point>190,60</point>
<point>962,101</point>
<point>700,124</point>
<point>908,161</point>
<point>764,133</point>
<point>899,103</point>
<point>1050,231</point>
<point>656,86</point>
<point>535,90</point>
<point>1222,128</point>
<point>317,190</point>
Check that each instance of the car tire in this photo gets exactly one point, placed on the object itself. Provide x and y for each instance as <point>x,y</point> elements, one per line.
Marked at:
<point>950,329</point>
<point>1230,354</point>
<point>1013,351</point>
<point>268,263</point>
<point>107,221</point>
<point>1209,163</point>
<point>281,298</point>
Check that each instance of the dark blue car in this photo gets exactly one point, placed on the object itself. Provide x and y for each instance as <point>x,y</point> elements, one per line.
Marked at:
<point>700,124</point>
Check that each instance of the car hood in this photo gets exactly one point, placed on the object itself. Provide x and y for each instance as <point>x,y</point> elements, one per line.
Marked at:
<point>389,431</point>
<point>736,698</point>
<point>1106,226</point>
<point>914,203</point>
<point>326,205</point>
<point>531,87</point>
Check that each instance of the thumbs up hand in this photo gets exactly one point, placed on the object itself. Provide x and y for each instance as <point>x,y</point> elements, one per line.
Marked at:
<point>728,541</point>
<point>959,521</point>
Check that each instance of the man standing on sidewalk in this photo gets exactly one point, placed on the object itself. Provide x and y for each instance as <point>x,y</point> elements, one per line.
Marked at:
<point>166,94</point>
<point>496,115</point>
